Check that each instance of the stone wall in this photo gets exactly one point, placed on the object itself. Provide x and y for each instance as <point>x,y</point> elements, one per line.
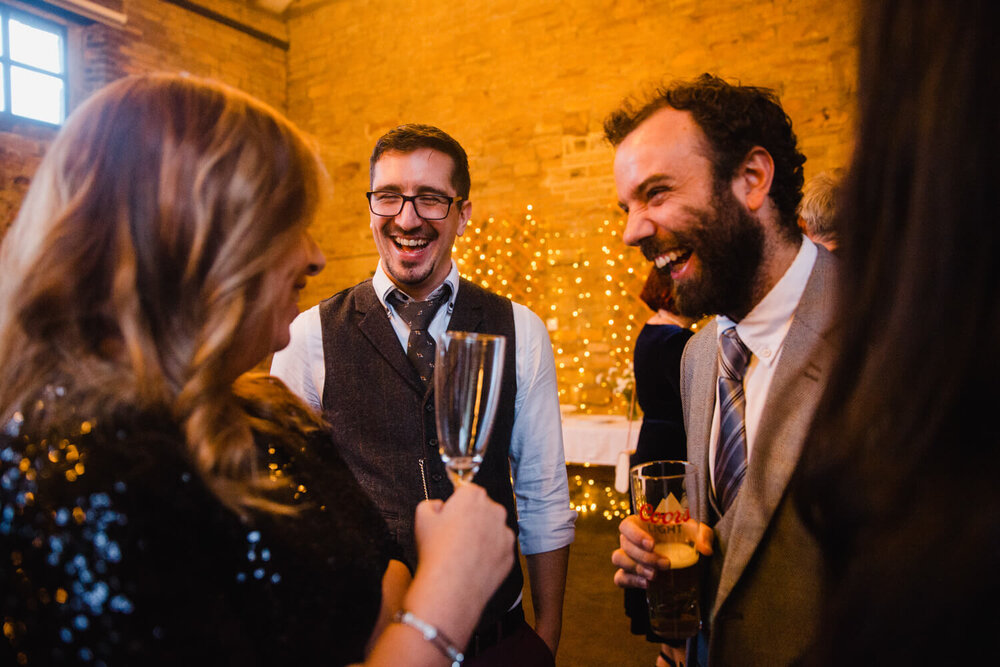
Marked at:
<point>525,86</point>
<point>158,36</point>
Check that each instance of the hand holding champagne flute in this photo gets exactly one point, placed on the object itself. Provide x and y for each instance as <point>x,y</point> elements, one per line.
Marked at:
<point>467,377</point>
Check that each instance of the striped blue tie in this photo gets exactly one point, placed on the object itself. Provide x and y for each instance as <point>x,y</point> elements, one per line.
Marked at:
<point>731,451</point>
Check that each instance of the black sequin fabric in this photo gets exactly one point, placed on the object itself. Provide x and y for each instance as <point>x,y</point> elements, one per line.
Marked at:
<point>114,552</point>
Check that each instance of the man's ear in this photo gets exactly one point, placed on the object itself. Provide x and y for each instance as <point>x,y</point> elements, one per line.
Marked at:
<point>752,182</point>
<point>463,216</point>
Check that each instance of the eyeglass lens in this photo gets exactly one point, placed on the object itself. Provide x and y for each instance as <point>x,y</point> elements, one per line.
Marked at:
<point>429,207</point>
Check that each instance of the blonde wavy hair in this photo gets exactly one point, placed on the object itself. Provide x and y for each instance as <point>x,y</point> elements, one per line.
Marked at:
<point>136,270</point>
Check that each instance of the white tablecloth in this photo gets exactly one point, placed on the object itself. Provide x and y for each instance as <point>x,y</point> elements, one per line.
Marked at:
<point>598,439</point>
<point>601,440</point>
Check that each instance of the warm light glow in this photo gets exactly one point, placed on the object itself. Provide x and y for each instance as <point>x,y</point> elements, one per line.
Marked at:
<point>518,253</point>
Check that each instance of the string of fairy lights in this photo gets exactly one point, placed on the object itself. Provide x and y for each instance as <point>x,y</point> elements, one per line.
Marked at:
<point>584,283</point>
<point>591,497</point>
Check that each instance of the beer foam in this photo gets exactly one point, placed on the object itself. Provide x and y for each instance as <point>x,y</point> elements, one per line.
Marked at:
<point>680,554</point>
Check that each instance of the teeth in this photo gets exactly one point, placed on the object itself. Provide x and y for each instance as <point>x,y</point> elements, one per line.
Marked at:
<point>412,243</point>
<point>667,258</point>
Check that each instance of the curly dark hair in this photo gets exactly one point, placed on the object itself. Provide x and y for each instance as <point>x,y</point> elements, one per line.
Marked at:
<point>413,136</point>
<point>734,119</point>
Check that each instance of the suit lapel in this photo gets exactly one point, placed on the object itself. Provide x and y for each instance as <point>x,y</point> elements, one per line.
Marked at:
<point>374,325</point>
<point>795,391</point>
<point>699,375</point>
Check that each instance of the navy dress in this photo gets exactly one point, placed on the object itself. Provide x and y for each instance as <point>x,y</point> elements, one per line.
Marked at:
<point>113,551</point>
<point>658,351</point>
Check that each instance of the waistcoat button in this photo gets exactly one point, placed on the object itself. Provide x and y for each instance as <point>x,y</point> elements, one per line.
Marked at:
<point>432,443</point>
<point>436,477</point>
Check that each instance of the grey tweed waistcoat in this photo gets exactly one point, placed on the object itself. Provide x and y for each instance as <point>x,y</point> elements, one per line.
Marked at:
<point>383,416</point>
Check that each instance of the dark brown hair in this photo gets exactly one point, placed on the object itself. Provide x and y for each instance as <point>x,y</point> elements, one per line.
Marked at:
<point>412,137</point>
<point>899,480</point>
<point>734,119</point>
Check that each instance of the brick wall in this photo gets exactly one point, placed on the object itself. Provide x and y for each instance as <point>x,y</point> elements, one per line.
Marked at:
<point>158,36</point>
<point>525,86</point>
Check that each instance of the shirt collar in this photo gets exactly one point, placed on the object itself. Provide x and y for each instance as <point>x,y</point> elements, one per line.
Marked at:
<point>383,284</point>
<point>764,328</point>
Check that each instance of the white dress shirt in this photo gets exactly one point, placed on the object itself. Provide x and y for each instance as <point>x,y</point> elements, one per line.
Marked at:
<point>763,331</point>
<point>538,464</point>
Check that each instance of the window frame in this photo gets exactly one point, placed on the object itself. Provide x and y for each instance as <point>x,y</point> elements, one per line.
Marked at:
<point>7,12</point>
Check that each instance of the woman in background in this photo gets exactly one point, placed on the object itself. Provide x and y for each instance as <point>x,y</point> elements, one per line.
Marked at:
<point>900,482</point>
<point>151,510</point>
<point>658,350</point>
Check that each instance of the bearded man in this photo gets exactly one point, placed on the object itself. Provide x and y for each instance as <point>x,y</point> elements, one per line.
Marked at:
<point>709,176</point>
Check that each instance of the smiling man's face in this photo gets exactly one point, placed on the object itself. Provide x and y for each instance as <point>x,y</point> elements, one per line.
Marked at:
<point>416,253</point>
<point>685,221</point>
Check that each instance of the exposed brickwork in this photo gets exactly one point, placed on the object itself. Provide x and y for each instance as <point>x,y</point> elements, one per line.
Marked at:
<point>157,37</point>
<point>525,87</point>
<point>20,154</point>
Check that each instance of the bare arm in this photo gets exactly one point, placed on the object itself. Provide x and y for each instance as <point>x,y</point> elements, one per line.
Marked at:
<point>465,550</point>
<point>547,575</point>
<point>395,582</point>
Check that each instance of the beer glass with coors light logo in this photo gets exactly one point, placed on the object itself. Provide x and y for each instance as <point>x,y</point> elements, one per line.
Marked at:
<point>660,493</point>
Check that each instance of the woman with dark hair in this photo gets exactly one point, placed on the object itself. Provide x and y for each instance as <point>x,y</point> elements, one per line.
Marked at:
<point>155,507</point>
<point>900,481</point>
<point>657,356</point>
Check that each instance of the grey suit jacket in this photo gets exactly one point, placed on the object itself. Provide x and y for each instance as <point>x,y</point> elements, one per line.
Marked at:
<point>763,585</point>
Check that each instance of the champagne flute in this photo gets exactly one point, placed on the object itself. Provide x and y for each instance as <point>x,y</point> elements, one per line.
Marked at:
<point>467,377</point>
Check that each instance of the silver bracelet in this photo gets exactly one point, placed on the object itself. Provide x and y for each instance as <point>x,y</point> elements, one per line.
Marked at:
<point>433,635</point>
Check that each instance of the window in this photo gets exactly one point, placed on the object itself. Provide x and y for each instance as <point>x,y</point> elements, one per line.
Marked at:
<point>32,67</point>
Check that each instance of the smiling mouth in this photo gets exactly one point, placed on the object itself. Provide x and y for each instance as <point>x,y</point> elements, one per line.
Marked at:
<point>404,243</point>
<point>672,258</point>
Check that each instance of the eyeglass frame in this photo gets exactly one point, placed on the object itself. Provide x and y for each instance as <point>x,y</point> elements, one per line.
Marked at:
<point>413,202</point>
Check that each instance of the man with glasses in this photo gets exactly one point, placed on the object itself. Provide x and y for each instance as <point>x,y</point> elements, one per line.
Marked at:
<point>363,358</point>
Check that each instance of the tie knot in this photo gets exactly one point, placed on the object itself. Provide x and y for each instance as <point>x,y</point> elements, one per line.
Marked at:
<point>733,355</point>
<point>418,314</point>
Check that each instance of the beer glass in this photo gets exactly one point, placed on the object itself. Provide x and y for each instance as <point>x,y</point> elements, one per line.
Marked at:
<point>467,377</point>
<point>663,495</point>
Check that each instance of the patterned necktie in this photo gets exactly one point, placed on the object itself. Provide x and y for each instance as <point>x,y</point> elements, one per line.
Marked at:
<point>731,450</point>
<point>418,316</point>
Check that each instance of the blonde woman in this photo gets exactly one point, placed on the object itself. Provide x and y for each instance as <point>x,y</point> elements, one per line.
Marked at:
<point>153,509</point>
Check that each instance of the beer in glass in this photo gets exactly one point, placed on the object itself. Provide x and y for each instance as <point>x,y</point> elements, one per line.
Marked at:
<point>660,493</point>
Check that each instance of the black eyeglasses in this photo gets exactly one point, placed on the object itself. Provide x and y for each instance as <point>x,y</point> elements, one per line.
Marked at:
<point>427,206</point>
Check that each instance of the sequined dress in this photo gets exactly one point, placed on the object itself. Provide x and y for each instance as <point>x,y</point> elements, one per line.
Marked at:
<point>114,552</point>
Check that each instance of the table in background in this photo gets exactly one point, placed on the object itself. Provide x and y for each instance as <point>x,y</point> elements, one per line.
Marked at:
<point>600,440</point>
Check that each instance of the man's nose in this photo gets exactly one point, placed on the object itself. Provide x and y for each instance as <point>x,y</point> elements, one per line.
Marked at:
<point>407,217</point>
<point>637,228</point>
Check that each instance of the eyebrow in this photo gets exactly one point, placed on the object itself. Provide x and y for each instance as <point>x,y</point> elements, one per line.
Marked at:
<point>651,180</point>
<point>638,190</point>
<point>421,190</point>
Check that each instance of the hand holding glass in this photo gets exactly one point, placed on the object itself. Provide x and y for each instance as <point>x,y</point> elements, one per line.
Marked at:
<point>467,374</point>
<point>660,497</point>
